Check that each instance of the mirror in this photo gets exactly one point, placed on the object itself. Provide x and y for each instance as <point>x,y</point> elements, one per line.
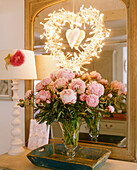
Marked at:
<point>110,64</point>
<point>33,8</point>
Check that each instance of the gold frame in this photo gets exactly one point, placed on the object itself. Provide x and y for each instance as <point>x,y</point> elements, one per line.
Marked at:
<point>33,7</point>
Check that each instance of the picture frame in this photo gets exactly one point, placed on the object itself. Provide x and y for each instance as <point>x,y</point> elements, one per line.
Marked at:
<point>5,90</point>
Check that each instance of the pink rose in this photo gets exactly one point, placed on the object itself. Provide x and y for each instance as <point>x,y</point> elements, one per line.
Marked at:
<point>125,93</point>
<point>78,85</point>
<point>95,75</point>
<point>96,88</point>
<point>92,100</point>
<point>54,96</point>
<point>46,81</point>
<point>21,100</point>
<point>17,59</point>
<point>110,109</point>
<point>54,75</point>
<point>77,75</point>
<point>37,101</point>
<point>48,101</point>
<point>68,96</point>
<point>85,76</point>
<point>66,73</point>
<point>83,97</point>
<point>104,82</point>
<point>110,95</point>
<point>119,86</point>
<point>43,95</point>
<point>39,87</point>
<point>29,94</point>
<point>60,83</point>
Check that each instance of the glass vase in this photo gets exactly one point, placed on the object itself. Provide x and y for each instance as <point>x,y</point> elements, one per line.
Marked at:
<point>94,126</point>
<point>71,137</point>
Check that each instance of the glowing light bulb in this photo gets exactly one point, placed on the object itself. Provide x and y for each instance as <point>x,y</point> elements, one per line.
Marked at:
<point>92,46</point>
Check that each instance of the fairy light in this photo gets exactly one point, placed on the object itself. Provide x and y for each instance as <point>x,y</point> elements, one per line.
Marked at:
<point>85,52</point>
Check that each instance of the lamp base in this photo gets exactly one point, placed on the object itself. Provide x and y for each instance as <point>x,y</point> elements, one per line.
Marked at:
<point>16,150</point>
<point>16,142</point>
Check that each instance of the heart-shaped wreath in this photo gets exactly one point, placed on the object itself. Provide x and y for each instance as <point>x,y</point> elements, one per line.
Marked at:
<point>82,49</point>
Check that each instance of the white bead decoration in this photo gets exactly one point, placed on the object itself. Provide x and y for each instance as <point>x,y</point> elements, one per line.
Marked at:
<point>16,142</point>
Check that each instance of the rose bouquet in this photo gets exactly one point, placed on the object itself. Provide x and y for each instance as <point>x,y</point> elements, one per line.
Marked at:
<point>111,100</point>
<point>114,96</point>
<point>70,98</point>
<point>66,98</point>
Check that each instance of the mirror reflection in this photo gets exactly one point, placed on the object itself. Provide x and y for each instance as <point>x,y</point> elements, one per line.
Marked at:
<point>112,64</point>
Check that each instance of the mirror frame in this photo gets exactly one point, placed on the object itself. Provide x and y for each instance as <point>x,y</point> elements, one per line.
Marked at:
<point>32,8</point>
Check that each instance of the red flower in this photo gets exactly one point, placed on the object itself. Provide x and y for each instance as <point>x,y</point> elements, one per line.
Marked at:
<point>17,59</point>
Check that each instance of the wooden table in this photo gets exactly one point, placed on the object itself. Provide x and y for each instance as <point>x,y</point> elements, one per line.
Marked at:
<point>21,162</point>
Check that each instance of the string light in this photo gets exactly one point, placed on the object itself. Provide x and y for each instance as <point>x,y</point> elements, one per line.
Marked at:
<point>85,52</point>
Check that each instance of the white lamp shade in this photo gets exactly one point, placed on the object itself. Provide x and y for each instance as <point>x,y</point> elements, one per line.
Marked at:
<point>44,66</point>
<point>23,72</point>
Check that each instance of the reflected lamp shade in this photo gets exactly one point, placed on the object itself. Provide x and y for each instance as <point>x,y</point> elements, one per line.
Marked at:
<point>44,66</point>
<point>16,65</point>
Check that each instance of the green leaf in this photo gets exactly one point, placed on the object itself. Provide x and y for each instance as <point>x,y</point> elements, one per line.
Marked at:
<point>74,123</point>
<point>88,110</point>
<point>87,121</point>
<point>60,87</point>
<point>55,105</point>
<point>59,115</point>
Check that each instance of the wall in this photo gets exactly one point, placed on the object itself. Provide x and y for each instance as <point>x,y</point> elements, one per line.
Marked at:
<point>119,63</point>
<point>125,65</point>
<point>11,37</point>
<point>111,63</point>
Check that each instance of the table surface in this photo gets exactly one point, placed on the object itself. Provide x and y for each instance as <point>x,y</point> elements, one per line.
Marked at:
<point>21,162</point>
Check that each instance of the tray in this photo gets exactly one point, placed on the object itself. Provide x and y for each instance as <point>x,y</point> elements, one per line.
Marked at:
<point>110,140</point>
<point>53,156</point>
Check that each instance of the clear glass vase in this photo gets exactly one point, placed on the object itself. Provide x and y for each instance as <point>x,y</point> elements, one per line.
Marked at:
<point>94,126</point>
<point>71,137</point>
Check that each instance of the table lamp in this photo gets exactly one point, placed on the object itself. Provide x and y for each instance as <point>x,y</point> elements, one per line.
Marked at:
<point>16,65</point>
<point>44,66</point>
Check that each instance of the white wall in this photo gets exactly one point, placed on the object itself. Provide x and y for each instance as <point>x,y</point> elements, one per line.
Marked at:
<point>125,66</point>
<point>120,57</point>
<point>11,37</point>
